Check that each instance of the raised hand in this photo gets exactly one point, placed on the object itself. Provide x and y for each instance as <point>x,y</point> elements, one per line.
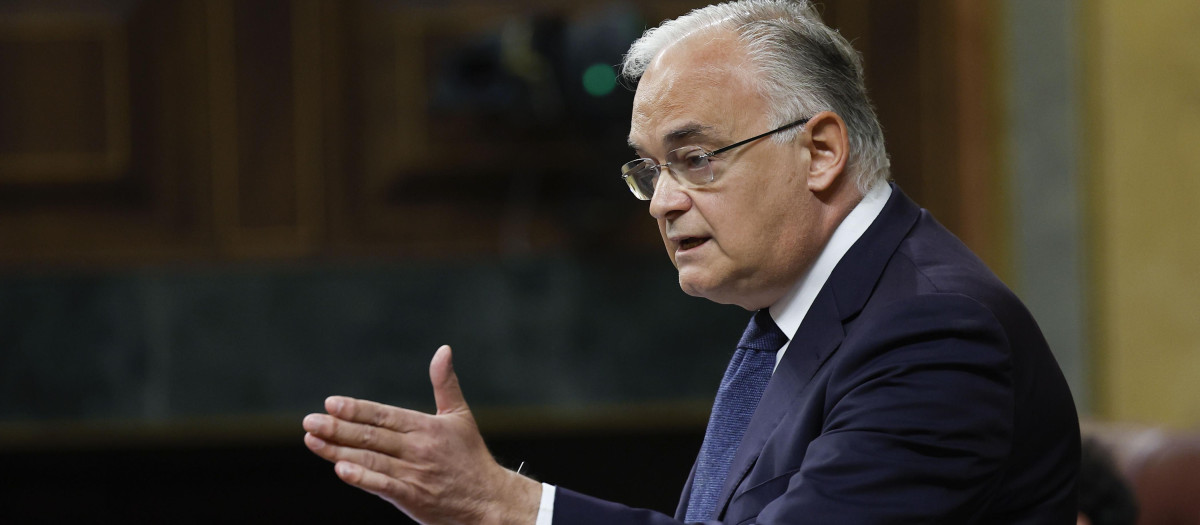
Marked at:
<point>435,468</point>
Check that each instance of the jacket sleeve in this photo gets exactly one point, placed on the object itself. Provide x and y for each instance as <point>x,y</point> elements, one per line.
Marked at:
<point>573,508</point>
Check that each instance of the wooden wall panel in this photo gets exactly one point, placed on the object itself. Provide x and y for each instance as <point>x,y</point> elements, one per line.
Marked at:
<point>101,151</point>
<point>223,130</point>
<point>266,97</point>
<point>980,135</point>
<point>931,68</point>
<point>64,100</point>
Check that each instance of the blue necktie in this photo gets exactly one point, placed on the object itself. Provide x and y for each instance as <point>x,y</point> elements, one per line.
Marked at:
<point>743,385</point>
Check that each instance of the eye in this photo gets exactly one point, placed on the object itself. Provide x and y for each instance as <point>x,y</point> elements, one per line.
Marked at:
<point>695,159</point>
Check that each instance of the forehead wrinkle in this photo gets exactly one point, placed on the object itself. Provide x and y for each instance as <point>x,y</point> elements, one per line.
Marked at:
<point>690,130</point>
<point>688,113</point>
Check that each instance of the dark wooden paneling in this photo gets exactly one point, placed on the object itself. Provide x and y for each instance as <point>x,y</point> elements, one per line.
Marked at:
<point>266,69</point>
<point>68,119</point>
<point>143,130</point>
<point>111,168</point>
<point>981,137</point>
<point>266,113</point>
<point>63,100</point>
<point>931,72</point>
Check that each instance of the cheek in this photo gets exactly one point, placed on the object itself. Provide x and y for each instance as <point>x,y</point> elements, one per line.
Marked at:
<point>761,228</point>
<point>739,225</point>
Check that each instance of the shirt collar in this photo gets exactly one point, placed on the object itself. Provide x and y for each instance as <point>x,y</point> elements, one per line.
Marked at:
<point>789,311</point>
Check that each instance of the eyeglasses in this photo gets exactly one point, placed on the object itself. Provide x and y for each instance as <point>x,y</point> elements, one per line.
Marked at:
<point>689,164</point>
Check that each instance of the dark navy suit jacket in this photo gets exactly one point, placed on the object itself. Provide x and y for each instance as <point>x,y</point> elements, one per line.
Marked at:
<point>918,389</point>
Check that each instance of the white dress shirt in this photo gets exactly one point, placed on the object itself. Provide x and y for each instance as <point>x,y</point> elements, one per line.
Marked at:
<point>789,311</point>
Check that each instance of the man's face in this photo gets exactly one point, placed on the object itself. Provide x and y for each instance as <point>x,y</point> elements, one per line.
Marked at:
<point>749,235</point>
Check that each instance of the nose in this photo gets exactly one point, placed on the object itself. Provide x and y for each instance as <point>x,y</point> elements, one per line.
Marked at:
<point>669,198</point>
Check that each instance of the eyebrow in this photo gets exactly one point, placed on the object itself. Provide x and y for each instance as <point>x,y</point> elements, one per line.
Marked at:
<point>686,131</point>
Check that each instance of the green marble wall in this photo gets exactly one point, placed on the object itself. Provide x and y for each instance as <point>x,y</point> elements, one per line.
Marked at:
<point>170,344</point>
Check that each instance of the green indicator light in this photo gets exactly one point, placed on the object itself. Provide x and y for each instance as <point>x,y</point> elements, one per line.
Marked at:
<point>599,80</point>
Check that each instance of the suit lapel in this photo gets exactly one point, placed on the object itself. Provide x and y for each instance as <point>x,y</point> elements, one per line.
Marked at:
<point>821,332</point>
<point>842,297</point>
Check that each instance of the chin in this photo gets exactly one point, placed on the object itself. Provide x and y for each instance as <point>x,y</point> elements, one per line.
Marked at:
<point>719,292</point>
<point>690,289</point>
<point>704,290</point>
<point>693,286</point>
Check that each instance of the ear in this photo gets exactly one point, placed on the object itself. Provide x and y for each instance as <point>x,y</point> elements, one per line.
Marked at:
<point>829,149</point>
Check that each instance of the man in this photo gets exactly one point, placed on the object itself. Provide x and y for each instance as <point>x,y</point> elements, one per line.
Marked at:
<point>887,376</point>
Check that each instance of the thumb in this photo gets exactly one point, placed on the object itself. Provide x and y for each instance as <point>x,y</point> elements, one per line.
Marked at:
<point>446,392</point>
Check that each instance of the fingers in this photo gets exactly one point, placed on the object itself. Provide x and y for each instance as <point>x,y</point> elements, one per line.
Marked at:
<point>368,459</point>
<point>374,482</point>
<point>357,435</point>
<point>446,393</point>
<point>435,468</point>
<point>375,414</point>
<point>372,472</point>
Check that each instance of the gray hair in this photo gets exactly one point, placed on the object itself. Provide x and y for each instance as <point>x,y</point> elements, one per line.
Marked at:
<point>806,67</point>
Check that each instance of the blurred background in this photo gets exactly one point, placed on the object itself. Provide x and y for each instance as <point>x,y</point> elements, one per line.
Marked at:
<point>215,213</point>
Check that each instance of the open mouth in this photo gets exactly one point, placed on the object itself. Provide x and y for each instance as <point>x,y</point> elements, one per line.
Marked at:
<point>692,242</point>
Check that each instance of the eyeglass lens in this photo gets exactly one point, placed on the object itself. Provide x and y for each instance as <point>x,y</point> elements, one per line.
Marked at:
<point>688,164</point>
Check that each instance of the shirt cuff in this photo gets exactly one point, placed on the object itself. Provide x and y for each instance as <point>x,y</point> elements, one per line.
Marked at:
<point>546,509</point>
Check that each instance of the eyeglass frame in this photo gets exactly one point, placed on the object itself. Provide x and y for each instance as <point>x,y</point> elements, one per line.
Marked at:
<point>626,176</point>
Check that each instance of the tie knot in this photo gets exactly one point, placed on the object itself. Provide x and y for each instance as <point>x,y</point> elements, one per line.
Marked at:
<point>762,334</point>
